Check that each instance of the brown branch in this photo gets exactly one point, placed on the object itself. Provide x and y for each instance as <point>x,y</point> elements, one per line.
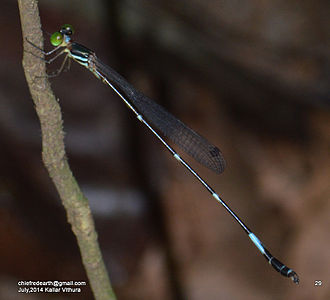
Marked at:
<point>54,157</point>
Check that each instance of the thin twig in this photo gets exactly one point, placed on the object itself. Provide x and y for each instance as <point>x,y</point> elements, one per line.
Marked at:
<point>54,157</point>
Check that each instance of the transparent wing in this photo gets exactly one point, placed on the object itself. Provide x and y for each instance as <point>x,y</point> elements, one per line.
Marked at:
<point>187,139</point>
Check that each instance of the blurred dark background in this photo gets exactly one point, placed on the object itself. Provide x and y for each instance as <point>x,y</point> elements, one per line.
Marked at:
<point>251,76</point>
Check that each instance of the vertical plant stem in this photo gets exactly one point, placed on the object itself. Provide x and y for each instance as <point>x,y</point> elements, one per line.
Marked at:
<point>54,157</point>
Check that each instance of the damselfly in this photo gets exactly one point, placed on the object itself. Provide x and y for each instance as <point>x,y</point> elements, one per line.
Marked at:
<point>159,122</point>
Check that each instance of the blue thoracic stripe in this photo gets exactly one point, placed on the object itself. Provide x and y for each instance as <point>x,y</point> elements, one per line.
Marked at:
<point>81,60</point>
<point>80,53</point>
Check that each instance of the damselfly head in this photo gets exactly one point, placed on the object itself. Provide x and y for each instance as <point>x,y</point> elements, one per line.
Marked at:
<point>63,36</point>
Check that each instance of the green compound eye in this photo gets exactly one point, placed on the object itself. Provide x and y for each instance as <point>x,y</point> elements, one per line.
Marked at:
<point>67,29</point>
<point>56,38</point>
